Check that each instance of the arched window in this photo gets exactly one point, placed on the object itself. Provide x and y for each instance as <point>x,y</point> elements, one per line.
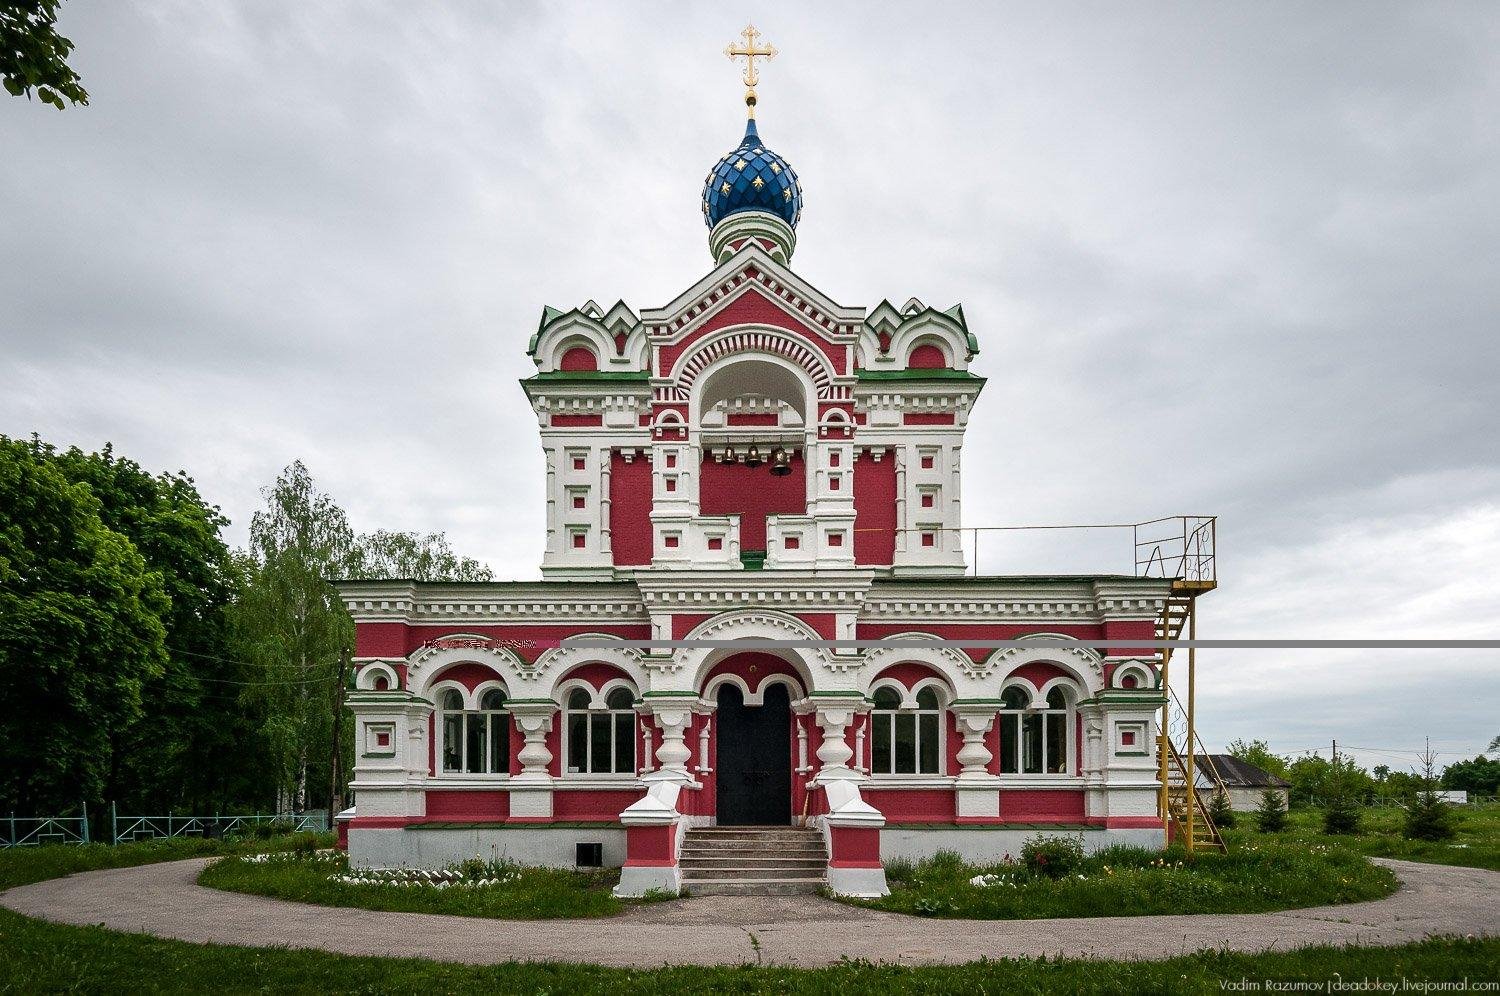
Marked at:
<point>1034,742</point>
<point>601,741</point>
<point>475,741</point>
<point>905,741</point>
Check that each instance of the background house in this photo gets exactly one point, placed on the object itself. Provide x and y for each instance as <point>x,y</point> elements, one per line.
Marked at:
<point>1244,782</point>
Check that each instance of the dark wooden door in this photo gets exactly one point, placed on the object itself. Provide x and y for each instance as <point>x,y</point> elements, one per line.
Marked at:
<point>754,758</point>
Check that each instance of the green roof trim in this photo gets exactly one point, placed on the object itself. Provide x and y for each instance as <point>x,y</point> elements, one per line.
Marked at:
<point>863,374</point>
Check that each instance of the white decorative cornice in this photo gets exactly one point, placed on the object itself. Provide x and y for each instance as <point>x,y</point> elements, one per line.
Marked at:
<point>1017,600</point>
<point>719,591</point>
<point>495,603</point>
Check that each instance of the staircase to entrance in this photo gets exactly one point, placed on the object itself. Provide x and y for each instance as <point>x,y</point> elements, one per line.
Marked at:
<point>753,861</point>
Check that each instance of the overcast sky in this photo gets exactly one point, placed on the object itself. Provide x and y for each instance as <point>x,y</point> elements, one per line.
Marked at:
<point>1237,259</point>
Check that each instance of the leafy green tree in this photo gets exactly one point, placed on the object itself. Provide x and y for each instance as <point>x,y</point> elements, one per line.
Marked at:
<point>34,57</point>
<point>80,635</point>
<point>189,750</point>
<point>1270,815</point>
<point>1480,776</point>
<point>293,626</point>
<point>412,556</point>
<point>1258,753</point>
<point>1495,744</point>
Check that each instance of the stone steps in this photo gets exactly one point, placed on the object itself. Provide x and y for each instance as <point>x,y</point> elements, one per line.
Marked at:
<point>752,861</point>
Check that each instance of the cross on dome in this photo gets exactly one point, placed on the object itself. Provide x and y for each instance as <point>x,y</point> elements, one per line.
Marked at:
<point>749,51</point>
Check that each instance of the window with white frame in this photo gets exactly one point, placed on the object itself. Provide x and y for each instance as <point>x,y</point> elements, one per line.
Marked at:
<point>1034,741</point>
<point>600,741</point>
<point>475,741</point>
<point>905,741</point>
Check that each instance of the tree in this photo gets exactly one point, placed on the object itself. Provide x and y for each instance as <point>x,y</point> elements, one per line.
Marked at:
<point>1495,744</point>
<point>1270,815</point>
<point>1258,753</point>
<point>1480,776</point>
<point>414,557</point>
<point>1221,812</point>
<point>1340,793</point>
<point>80,635</point>
<point>34,57</point>
<point>188,749</point>
<point>292,624</point>
<point>1428,816</point>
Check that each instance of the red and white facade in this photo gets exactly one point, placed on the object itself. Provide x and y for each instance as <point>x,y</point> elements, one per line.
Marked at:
<point>477,734</point>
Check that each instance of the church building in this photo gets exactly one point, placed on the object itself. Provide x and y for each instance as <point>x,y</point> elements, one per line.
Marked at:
<point>752,460</point>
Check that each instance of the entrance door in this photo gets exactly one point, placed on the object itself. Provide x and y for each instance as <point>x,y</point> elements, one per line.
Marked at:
<point>754,758</point>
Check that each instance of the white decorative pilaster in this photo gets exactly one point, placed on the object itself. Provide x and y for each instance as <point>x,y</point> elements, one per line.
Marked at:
<point>976,791</point>
<point>531,790</point>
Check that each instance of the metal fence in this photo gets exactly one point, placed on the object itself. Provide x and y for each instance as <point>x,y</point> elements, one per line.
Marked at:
<point>31,831</point>
<point>127,828</point>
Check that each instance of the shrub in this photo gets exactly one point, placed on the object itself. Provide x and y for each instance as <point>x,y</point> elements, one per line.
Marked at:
<point>1270,815</point>
<point>1221,812</point>
<point>1053,856</point>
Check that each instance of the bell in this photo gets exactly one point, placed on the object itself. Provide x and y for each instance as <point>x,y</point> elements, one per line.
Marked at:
<point>729,454</point>
<point>781,462</point>
<point>752,456</point>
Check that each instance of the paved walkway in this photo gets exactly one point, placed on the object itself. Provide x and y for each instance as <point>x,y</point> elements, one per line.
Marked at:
<point>165,900</point>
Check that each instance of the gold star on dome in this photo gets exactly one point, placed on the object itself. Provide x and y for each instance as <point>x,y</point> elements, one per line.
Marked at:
<point>787,193</point>
<point>724,189</point>
<point>739,164</point>
<point>776,167</point>
<point>757,183</point>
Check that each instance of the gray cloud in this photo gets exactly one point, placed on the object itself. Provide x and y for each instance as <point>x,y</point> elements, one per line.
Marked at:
<point>1226,258</point>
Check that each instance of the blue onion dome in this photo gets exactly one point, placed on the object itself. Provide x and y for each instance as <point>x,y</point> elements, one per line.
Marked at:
<point>752,178</point>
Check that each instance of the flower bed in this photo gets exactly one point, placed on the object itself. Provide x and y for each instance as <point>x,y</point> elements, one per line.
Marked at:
<point>1053,879</point>
<point>485,888</point>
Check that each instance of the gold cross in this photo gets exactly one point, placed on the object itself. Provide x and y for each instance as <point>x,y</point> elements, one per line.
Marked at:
<point>749,51</point>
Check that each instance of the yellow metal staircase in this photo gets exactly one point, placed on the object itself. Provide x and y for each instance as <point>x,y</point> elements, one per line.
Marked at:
<point>1182,549</point>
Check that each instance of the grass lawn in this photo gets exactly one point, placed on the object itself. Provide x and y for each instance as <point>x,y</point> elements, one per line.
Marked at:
<point>522,893</point>
<point>1256,877</point>
<point>23,865</point>
<point>37,956</point>
<point>1477,844</point>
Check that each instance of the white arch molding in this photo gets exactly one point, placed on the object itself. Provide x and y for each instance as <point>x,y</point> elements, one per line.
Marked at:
<point>426,662</point>
<point>561,660</point>
<point>755,696</point>
<point>748,624</point>
<point>741,341</point>
<point>1084,665</point>
<point>369,671</point>
<point>947,661</point>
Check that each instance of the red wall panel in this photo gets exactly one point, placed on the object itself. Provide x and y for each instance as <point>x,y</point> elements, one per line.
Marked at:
<point>752,493</point>
<point>874,510</point>
<point>630,510</point>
